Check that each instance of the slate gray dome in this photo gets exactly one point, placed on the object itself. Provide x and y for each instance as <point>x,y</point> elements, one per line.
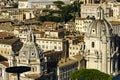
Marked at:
<point>100,26</point>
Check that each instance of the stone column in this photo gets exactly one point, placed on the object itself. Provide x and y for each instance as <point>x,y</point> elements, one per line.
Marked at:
<point>104,53</point>
<point>104,58</point>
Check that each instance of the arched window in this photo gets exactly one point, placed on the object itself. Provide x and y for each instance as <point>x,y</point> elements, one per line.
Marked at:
<point>93,44</point>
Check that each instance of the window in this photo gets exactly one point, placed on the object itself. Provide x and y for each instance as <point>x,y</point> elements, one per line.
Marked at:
<point>55,47</point>
<point>43,46</point>
<point>46,47</point>
<point>59,48</point>
<point>0,72</point>
<point>73,48</point>
<point>34,69</point>
<point>32,54</point>
<point>93,45</point>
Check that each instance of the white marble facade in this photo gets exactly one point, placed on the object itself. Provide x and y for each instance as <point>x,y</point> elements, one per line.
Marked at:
<point>100,45</point>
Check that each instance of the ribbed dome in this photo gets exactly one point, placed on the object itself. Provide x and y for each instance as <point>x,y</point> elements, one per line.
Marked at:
<point>100,26</point>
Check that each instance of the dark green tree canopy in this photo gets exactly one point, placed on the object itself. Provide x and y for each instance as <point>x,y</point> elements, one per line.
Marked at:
<point>89,74</point>
<point>65,13</point>
<point>58,2</point>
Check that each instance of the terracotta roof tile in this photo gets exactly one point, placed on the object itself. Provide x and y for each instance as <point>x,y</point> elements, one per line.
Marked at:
<point>5,34</point>
<point>5,63</point>
<point>80,18</point>
<point>48,23</point>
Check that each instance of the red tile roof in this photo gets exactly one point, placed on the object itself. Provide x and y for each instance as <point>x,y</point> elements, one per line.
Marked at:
<point>48,23</point>
<point>5,34</point>
<point>5,63</point>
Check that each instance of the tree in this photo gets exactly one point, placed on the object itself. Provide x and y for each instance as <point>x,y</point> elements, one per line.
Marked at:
<point>64,13</point>
<point>89,74</point>
<point>58,3</point>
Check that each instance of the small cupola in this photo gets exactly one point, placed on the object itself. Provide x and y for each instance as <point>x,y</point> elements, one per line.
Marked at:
<point>100,13</point>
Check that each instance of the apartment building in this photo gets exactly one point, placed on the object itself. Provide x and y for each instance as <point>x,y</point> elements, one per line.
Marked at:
<point>76,45</point>
<point>69,27</point>
<point>22,4</point>
<point>81,24</point>
<point>9,44</point>
<point>65,68</point>
<point>116,10</point>
<point>89,8</point>
<point>49,40</point>
<point>3,73</point>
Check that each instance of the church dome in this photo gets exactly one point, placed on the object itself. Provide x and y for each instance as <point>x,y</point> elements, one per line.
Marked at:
<point>100,26</point>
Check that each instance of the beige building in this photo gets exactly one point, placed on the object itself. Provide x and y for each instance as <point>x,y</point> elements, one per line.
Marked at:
<point>76,45</point>
<point>3,73</point>
<point>65,67</point>
<point>69,26</point>
<point>116,27</point>
<point>9,44</point>
<point>52,40</point>
<point>89,8</point>
<point>116,10</point>
<point>22,4</point>
<point>81,24</point>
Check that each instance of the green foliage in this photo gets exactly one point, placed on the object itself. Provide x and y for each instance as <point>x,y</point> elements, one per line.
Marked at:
<point>49,18</point>
<point>58,2</point>
<point>15,5</point>
<point>64,14</point>
<point>89,74</point>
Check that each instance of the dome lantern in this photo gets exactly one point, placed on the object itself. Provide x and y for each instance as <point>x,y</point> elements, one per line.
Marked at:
<point>100,13</point>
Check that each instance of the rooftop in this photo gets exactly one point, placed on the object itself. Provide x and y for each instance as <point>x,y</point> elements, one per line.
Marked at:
<point>78,57</point>
<point>2,58</point>
<point>51,52</point>
<point>4,20</point>
<point>32,76</point>
<point>66,62</point>
<point>8,41</point>
<point>115,23</point>
<point>48,23</point>
<point>5,63</point>
<point>5,34</point>
<point>80,19</point>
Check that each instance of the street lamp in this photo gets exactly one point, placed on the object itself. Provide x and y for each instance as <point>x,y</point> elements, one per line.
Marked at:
<point>18,70</point>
